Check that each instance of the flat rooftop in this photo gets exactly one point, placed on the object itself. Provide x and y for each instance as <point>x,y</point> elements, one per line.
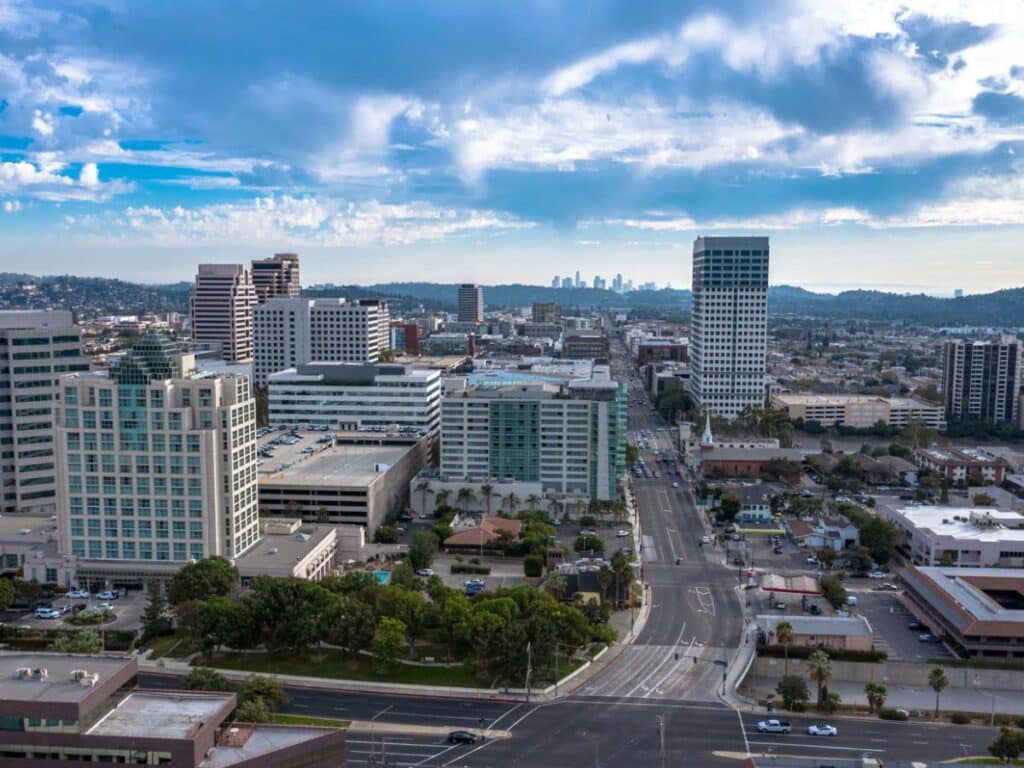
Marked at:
<point>338,465</point>
<point>262,740</point>
<point>276,553</point>
<point>172,715</point>
<point>18,528</point>
<point>977,600</point>
<point>956,522</point>
<point>851,626</point>
<point>59,685</point>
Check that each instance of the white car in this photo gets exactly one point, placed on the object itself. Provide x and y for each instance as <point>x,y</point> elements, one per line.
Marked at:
<point>705,539</point>
<point>106,595</point>
<point>104,607</point>
<point>622,533</point>
<point>426,573</point>
<point>822,730</point>
<point>79,594</point>
<point>877,575</point>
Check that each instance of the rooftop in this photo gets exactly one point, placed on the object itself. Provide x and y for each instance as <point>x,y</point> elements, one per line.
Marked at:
<point>352,374</point>
<point>262,740</point>
<point>278,554</point>
<point>26,528</point>
<point>59,685</point>
<point>160,715</point>
<point>817,625</point>
<point>338,465</point>
<point>974,523</point>
<point>967,597</point>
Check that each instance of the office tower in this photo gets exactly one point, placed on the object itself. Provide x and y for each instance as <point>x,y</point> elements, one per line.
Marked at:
<point>222,302</point>
<point>555,281</point>
<point>617,283</point>
<point>567,282</point>
<point>729,323</point>
<point>34,346</point>
<point>981,380</point>
<point>579,281</point>
<point>571,438</point>
<point>471,303</point>
<point>628,286</point>
<point>599,283</point>
<point>357,396</point>
<point>291,332</point>
<point>545,312</point>
<point>958,293</point>
<point>156,463</point>
<point>276,276</point>
<point>405,337</point>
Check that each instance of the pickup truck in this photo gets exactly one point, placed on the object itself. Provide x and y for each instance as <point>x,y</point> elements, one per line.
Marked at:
<point>774,726</point>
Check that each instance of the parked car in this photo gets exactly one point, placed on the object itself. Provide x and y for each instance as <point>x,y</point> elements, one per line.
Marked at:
<point>877,575</point>
<point>426,573</point>
<point>705,539</point>
<point>889,586</point>
<point>622,533</point>
<point>108,595</point>
<point>104,607</point>
<point>914,625</point>
<point>822,730</point>
<point>461,737</point>
<point>46,613</point>
<point>587,532</point>
<point>774,726</point>
<point>812,560</point>
<point>79,594</point>
<point>928,637</point>
<point>814,610</point>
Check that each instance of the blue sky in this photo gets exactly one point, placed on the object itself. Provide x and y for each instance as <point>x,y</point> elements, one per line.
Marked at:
<point>879,144</point>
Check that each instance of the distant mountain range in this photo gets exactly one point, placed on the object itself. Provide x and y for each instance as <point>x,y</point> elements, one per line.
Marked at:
<point>102,296</point>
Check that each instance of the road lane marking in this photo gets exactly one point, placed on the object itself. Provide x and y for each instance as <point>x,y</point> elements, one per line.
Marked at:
<point>675,645</point>
<point>657,685</point>
<point>743,730</point>
<point>503,716</point>
<point>812,745</point>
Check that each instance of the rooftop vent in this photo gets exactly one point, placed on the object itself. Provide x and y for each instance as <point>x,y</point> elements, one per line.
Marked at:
<point>78,674</point>
<point>88,680</point>
<point>24,673</point>
<point>40,673</point>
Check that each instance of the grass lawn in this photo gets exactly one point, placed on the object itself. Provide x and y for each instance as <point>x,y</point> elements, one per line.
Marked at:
<point>280,718</point>
<point>174,646</point>
<point>340,666</point>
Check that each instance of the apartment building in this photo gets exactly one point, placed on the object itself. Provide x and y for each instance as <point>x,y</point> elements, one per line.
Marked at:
<point>860,411</point>
<point>156,464</point>
<point>295,331</point>
<point>357,396</point>
<point>221,307</point>
<point>981,380</point>
<point>545,312</point>
<point>729,323</point>
<point>35,348</point>
<point>276,276</point>
<point>571,438</point>
<point>471,303</point>
<point>962,466</point>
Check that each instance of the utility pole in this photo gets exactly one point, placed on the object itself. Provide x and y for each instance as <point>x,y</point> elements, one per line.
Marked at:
<point>529,668</point>
<point>661,739</point>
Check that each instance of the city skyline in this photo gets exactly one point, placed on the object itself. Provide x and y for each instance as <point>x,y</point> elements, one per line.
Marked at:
<point>407,146</point>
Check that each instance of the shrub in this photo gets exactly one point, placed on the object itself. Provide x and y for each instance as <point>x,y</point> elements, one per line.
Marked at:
<point>533,566</point>
<point>476,570</point>
<point>778,652</point>
<point>959,718</point>
<point>893,714</point>
<point>475,560</point>
<point>588,520</point>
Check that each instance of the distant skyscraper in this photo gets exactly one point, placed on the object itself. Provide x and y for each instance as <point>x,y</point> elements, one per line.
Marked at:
<point>555,281</point>
<point>981,380</point>
<point>579,281</point>
<point>729,323</point>
<point>599,283</point>
<point>617,283</point>
<point>471,303</point>
<point>567,282</point>
<point>222,302</point>
<point>628,286</point>
<point>958,293</point>
<point>276,276</point>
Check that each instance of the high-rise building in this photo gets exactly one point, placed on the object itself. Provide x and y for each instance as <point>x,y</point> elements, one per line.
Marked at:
<point>291,332</point>
<point>471,303</point>
<point>567,282</point>
<point>599,283</point>
<point>570,438</point>
<point>222,302</point>
<point>729,323</point>
<point>156,463</point>
<point>276,276</point>
<point>981,380</point>
<point>35,347</point>
<point>617,283</point>
<point>555,281</point>
<point>545,312</point>
<point>579,280</point>
<point>356,396</point>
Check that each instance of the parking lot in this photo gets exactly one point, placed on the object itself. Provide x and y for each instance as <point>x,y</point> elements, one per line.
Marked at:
<point>128,610</point>
<point>890,621</point>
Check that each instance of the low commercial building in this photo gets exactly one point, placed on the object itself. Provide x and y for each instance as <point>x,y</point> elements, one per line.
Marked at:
<point>860,411</point>
<point>474,532</point>
<point>852,633</point>
<point>749,462</point>
<point>63,708</point>
<point>354,483</point>
<point>354,396</point>
<point>980,609</point>
<point>446,344</point>
<point>288,548</point>
<point>835,532</point>
<point>963,466</point>
<point>969,536</point>
<point>590,345</point>
<point>658,350</point>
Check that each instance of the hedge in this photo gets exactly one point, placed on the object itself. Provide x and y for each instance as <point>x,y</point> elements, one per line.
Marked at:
<point>979,663</point>
<point>892,714</point>
<point>479,570</point>
<point>802,652</point>
<point>39,639</point>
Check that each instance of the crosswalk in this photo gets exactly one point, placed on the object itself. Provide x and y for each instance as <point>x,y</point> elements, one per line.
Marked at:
<point>398,750</point>
<point>660,672</point>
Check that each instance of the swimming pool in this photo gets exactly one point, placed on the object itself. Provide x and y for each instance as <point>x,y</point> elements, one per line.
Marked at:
<point>382,576</point>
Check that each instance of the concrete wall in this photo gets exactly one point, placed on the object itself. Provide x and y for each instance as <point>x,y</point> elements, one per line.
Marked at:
<point>899,673</point>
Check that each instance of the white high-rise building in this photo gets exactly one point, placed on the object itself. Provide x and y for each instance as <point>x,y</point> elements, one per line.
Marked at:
<point>222,302</point>
<point>729,323</point>
<point>471,303</point>
<point>981,380</point>
<point>156,463</point>
<point>292,332</point>
<point>35,347</point>
<point>357,396</point>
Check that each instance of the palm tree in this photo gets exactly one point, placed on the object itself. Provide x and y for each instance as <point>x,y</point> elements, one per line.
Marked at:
<point>554,507</point>
<point>487,490</point>
<point>531,501</point>
<point>875,693</point>
<point>939,682</point>
<point>513,502</point>
<point>464,497</point>
<point>819,669</point>
<point>423,486</point>
<point>784,636</point>
<point>441,497</point>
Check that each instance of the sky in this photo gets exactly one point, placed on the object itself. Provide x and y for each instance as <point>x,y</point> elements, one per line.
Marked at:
<point>878,144</point>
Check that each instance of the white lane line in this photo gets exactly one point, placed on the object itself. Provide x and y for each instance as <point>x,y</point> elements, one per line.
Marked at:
<point>300,706</point>
<point>743,730</point>
<point>517,722</point>
<point>438,717</point>
<point>672,671</point>
<point>503,716</point>
<point>655,670</point>
<point>435,756</point>
<point>487,742</point>
<point>814,745</point>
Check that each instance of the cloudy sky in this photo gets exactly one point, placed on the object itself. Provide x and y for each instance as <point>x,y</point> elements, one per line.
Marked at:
<point>879,144</point>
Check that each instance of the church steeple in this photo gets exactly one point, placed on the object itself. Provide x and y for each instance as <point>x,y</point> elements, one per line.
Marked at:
<point>707,438</point>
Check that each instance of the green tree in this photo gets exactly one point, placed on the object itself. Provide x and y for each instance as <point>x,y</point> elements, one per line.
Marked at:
<point>386,534</point>
<point>402,575</point>
<point>588,544</point>
<point>423,488</point>
<point>441,498</point>
<point>793,691</point>
<point>82,641</point>
<point>221,621</point>
<point>388,644</point>
<point>983,500</point>
<point>253,711</point>
<point>422,549</point>
<point>351,625</point>
<point>833,590</point>
<point>487,491</point>
<point>729,507</point>
<point>464,498</point>
<point>1008,745</point>
<point>784,637</point>
<point>531,502</point>
<point>831,703</point>
<point>267,689</point>
<point>209,577</point>
<point>205,679</point>
<point>875,693</point>
<point>819,669</point>
<point>6,594</point>
<point>259,394</point>
<point>938,682</point>
<point>155,621</point>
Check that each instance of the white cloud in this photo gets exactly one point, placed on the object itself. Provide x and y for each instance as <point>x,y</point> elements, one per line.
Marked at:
<point>792,219</point>
<point>311,221</point>
<point>42,180</point>
<point>12,206</point>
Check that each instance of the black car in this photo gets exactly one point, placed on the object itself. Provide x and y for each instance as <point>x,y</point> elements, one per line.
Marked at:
<point>461,737</point>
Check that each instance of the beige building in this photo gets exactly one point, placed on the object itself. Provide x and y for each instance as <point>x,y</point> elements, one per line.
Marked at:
<point>290,548</point>
<point>222,302</point>
<point>860,411</point>
<point>276,276</point>
<point>851,633</point>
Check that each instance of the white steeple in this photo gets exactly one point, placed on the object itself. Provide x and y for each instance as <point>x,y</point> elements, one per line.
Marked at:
<point>707,438</point>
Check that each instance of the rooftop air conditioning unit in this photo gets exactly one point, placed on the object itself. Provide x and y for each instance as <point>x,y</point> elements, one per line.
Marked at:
<point>24,673</point>
<point>42,673</point>
<point>88,680</point>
